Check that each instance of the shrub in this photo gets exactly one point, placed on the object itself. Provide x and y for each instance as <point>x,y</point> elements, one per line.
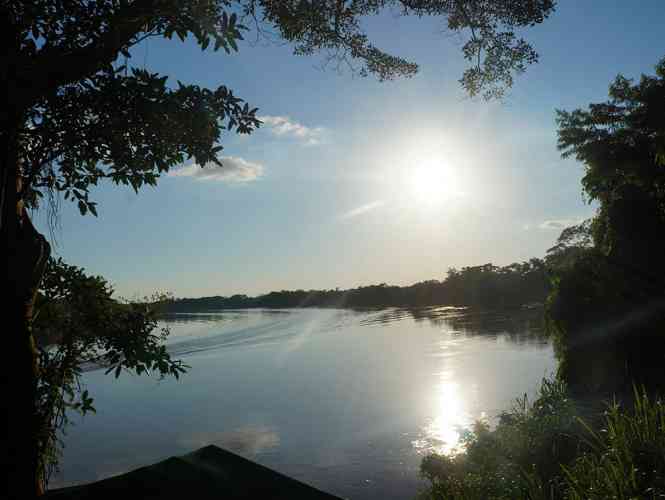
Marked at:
<point>547,451</point>
<point>627,456</point>
<point>518,459</point>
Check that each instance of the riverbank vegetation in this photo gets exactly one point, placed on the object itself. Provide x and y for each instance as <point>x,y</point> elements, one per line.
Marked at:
<point>606,315</point>
<point>78,323</point>
<point>486,286</point>
<point>555,448</point>
<point>607,307</point>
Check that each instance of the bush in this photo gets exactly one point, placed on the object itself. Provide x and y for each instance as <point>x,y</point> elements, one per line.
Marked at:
<point>547,451</point>
<point>627,456</point>
<point>518,459</point>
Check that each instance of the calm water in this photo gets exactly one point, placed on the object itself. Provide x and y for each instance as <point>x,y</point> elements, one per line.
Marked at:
<point>346,401</point>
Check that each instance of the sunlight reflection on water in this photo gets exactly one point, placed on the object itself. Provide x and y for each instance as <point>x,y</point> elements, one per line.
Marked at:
<point>443,432</point>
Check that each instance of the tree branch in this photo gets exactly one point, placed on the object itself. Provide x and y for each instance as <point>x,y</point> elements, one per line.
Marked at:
<point>53,67</point>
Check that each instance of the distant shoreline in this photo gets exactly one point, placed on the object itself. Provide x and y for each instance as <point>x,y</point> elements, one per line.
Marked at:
<point>486,286</point>
<point>466,308</point>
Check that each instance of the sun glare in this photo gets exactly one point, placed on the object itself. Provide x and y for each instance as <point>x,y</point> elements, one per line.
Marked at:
<point>425,172</point>
<point>432,182</point>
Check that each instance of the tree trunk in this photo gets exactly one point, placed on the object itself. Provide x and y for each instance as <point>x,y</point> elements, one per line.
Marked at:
<point>26,252</point>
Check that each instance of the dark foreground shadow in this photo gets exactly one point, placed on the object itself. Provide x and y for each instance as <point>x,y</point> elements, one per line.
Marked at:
<point>207,473</point>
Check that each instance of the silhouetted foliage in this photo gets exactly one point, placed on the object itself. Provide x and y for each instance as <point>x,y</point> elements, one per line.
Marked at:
<point>485,286</point>
<point>572,243</point>
<point>494,50</point>
<point>608,304</point>
<point>78,323</point>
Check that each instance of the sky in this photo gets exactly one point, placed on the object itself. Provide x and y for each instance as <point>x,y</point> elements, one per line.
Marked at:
<point>352,181</point>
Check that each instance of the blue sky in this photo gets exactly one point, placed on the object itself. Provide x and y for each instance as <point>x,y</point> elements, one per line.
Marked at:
<point>353,181</point>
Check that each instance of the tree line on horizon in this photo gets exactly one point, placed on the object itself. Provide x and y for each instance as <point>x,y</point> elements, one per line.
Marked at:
<point>485,286</point>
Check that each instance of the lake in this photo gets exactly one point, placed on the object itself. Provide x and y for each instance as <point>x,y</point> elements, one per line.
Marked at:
<point>347,401</point>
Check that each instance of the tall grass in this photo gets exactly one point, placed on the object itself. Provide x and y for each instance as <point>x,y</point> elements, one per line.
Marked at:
<point>546,450</point>
<point>627,457</point>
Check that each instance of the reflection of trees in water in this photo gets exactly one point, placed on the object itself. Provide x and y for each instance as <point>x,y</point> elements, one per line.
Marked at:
<point>182,319</point>
<point>381,316</point>
<point>521,326</point>
<point>225,315</point>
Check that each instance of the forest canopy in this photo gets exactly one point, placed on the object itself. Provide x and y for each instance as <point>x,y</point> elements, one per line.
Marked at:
<point>487,286</point>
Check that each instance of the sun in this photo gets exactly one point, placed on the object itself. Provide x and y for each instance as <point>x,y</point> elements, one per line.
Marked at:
<point>426,173</point>
<point>432,182</point>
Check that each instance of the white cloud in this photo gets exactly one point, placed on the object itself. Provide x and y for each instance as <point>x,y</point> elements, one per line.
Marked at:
<point>558,224</point>
<point>283,126</point>
<point>362,209</point>
<point>233,169</point>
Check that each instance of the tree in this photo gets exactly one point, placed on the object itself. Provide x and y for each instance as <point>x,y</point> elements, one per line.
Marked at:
<point>72,116</point>
<point>570,245</point>
<point>608,304</point>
